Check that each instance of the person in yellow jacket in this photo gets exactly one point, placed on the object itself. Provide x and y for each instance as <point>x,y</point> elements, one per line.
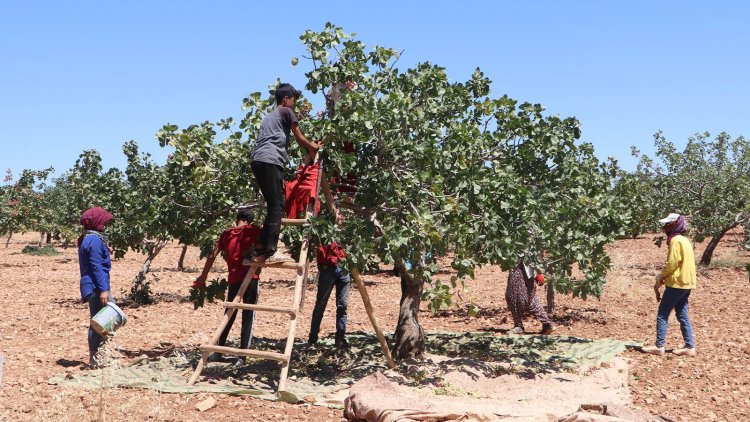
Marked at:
<point>679,278</point>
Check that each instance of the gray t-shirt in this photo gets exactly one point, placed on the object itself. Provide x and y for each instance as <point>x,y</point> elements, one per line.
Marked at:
<point>273,141</point>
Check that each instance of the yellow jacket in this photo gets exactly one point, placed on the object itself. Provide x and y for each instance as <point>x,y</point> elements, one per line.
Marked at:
<point>679,272</point>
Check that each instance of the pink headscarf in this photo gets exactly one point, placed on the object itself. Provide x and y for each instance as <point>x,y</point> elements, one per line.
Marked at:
<point>95,219</point>
<point>678,227</point>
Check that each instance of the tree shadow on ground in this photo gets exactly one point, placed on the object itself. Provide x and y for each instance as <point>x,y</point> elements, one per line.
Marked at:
<point>67,302</point>
<point>66,363</point>
<point>474,354</point>
<point>276,284</point>
<point>534,353</point>
<point>569,316</point>
<point>127,303</point>
<point>186,270</point>
<point>161,350</point>
<point>488,312</point>
<point>322,363</point>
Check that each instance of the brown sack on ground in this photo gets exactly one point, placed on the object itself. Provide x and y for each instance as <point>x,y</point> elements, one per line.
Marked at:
<point>610,413</point>
<point>376,399</point>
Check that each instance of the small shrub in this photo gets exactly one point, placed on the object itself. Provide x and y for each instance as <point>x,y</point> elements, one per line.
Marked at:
<point>140,293</point>
<point>46,250</point>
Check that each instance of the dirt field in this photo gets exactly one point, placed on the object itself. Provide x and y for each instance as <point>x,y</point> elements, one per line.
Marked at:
<point>43,333</point>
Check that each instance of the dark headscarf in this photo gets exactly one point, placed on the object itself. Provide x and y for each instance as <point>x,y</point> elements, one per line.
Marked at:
<point>94,220</point>
<point>678,227</point>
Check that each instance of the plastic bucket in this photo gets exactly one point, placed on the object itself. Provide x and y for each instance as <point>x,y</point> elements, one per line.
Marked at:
<point>108,319</point>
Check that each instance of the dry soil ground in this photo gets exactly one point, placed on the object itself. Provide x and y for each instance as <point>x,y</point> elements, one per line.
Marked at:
<point>43,333</point>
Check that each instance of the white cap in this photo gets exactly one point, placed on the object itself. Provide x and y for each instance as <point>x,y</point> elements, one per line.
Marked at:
<point>671,218</point>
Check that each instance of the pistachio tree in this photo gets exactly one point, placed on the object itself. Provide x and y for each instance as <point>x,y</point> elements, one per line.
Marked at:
<point>209,176</point>
<point>444,167</point>
<point>709,181</point>
<point>438,168</point>
<point>639,194</point>
<point>83,186</point>
<point>22,203</point>
<point>135,197</point>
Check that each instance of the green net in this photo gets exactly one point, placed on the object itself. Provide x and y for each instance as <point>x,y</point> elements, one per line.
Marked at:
<point>317,371</point>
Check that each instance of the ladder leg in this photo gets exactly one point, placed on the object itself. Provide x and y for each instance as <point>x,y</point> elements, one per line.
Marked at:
<point>371,314</point>
<point>198,369</point>
<point>301,274</point>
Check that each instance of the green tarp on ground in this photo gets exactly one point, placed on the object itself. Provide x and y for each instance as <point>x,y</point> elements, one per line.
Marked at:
<point>317,371</point>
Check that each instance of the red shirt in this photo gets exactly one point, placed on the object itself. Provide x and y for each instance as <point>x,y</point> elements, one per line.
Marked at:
<point>330,255</point>
<point>234,242</point>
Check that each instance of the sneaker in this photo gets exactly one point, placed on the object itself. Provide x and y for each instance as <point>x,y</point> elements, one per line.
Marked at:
<point>279,257</point>
<point>547,329</point>
<point>257,256</point>
<point>685,351</point>
<point>341,343</point>
<point>312,341</point>
<point>215,357</point>
<point>516,330</point>
<point>653,350</point>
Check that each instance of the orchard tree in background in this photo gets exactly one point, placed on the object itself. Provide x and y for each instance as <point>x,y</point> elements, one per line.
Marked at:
<point>209,180</point>
<point>136,199</point>
<point>22,204</point>
<point>708,181</point>
<point>140,222</point>
<point>84,186</point>
<point>640,196</point>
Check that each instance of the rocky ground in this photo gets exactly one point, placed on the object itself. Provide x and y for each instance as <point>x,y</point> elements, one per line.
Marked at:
<point>43,333</point>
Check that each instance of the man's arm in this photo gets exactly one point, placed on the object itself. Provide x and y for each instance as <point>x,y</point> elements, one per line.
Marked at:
<point>311,147</point>
<point>201,280</point>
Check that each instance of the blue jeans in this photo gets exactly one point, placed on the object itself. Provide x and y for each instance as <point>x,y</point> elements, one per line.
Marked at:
<point>95,340</point>
<point>676,299</point>
<point>328,277</point>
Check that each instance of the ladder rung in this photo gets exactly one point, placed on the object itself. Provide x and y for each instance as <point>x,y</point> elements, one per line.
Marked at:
<point>294,221</point>
<point>290,265</point>
<point>264,308</point>
<point>245,352</point>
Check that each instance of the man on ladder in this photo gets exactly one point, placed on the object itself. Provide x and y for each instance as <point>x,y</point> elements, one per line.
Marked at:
<point>269,157</point>
<point>233,243</point>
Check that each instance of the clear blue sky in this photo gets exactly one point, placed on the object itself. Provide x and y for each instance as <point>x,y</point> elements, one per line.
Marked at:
<point>79,75</point>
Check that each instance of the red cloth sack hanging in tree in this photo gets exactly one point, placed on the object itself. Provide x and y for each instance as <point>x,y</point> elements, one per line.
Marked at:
<point>346,184</point>
<point>301,190</point>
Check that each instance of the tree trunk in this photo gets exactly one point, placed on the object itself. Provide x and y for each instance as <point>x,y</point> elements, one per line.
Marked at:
<point>49,238</point>
<point>181,262</point>
<point>7,241</point>
<point>708,253</point>
<point>140,292</point>
<point>409,334</point>
<point>550,300</point>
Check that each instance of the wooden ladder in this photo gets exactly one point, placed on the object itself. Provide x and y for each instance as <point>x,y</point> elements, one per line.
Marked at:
<point>301,268</point>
